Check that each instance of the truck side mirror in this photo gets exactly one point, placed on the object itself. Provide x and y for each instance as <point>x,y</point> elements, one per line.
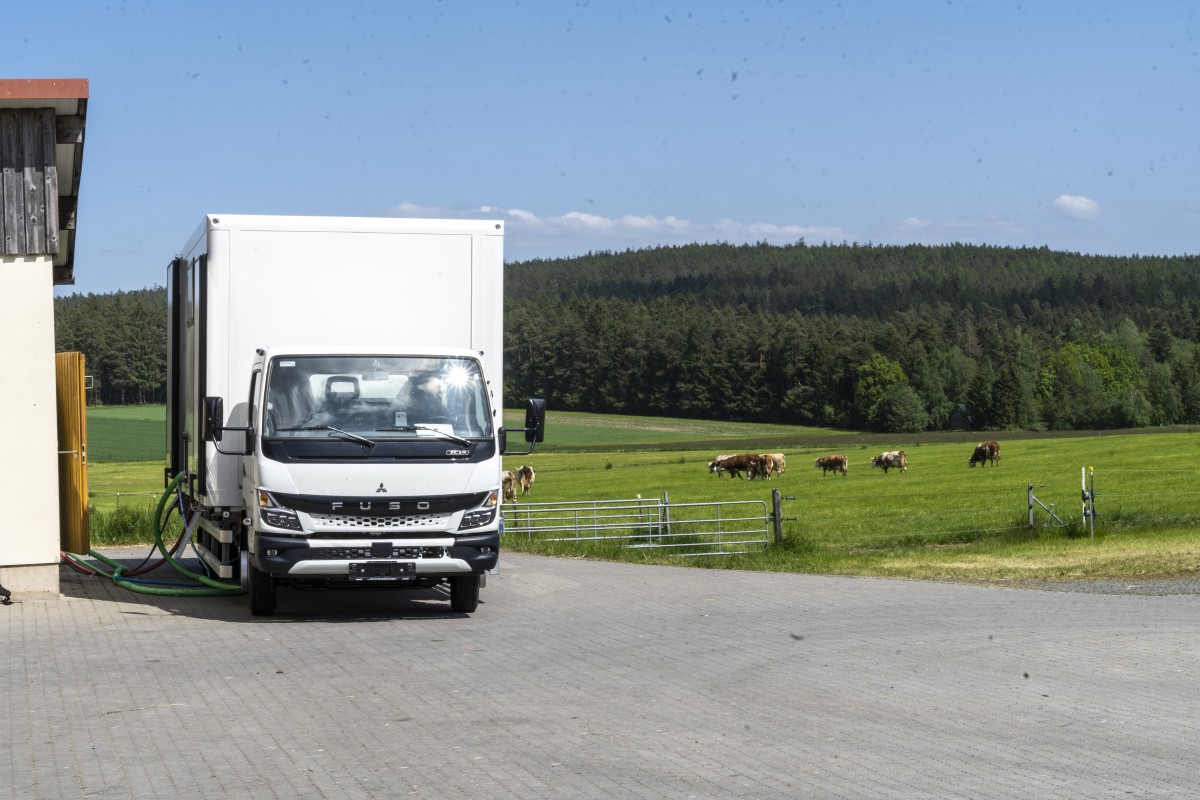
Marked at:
<point>535,428</point>
<point>213,421</point>
<point>535,420</point>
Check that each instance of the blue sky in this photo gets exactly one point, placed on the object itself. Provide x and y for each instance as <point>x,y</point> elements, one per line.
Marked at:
<point>613,125</point>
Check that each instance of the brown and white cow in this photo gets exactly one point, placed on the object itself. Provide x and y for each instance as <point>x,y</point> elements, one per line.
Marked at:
<point>761,466</point>
<point>834,462</point>
<point>889,459</point>
<point>717,465</point>
<point>510,486</point>
<point>735,465</point>
<point>985,452</point>
<point>773,463</point>
<point>525,477</point>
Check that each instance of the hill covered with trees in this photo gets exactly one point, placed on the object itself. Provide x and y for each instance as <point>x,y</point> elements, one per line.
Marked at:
<point>884,338</point>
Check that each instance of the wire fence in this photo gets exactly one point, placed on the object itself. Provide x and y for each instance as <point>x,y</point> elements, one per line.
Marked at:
<point>871,517</point>
<point>684,529</point>
<point>141,498</point>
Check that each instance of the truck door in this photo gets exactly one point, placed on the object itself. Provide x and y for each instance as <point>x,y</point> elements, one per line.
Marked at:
<point>249,476</point>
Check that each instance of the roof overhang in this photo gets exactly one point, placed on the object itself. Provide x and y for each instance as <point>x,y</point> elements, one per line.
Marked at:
<point>68,97</point>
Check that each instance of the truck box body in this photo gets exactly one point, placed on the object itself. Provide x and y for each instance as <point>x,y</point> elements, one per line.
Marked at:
<point>356,311</point>
<point>252,281</point>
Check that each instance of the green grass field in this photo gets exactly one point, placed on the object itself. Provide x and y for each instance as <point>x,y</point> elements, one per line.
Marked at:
<point>127,433</point>
<point>126,456</point>
<point>939,520</point>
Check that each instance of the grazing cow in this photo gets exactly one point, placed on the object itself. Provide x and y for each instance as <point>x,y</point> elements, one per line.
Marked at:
<point>985,452</point>
<point>834,462</point>
<point>525,478</point>
<point>773,463</point>
<point>761,465</point>
<point>510,486</point>
<point>735,465</point>
<point>889,459</point>
<point>717,465</point>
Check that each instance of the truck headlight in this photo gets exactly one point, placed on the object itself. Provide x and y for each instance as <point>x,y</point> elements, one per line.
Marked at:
<point>481,515</point>
<point>276,515</point>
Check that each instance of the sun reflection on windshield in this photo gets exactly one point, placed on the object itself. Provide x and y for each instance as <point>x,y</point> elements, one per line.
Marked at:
<point>457,376</point>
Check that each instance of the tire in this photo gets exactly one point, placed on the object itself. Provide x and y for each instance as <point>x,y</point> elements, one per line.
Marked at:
<point>464,594</point>
<point>262,593</point>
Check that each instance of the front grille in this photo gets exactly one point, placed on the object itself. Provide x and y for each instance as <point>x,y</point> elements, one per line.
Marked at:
<point>364,553</point>
<point>390,523</point>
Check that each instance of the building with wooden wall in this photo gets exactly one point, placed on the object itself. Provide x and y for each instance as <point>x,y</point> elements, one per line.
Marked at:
<point>42,123</point>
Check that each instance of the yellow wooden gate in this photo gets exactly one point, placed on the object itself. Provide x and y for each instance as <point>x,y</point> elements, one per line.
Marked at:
<point>74,530</point>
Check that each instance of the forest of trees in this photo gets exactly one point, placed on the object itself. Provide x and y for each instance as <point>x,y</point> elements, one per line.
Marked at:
<point>882,338</point>
<point>123,337</point>
<point>859,336</point>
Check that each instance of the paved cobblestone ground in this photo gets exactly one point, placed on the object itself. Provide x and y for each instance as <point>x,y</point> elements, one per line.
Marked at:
<point>579,679</point>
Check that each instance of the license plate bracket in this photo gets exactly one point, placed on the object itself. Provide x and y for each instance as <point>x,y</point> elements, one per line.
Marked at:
<point>381,570</point>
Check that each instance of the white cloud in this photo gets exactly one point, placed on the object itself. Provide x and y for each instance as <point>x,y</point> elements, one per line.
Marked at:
<point>652,223</point>
<point>1077,206</point>
<point>515,213</point>
<point>770,232</point>
<point>577,232</point>
<point>986,228</point>
<point>578,219</point>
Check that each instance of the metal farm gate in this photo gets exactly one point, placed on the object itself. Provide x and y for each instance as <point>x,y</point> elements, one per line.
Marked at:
<point>685,529</point>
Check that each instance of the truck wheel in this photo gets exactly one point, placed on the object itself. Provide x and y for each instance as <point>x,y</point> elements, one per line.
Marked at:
<point>262,593</point>
<point>464,593</point>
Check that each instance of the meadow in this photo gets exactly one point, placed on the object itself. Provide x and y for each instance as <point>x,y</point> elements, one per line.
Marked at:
<point>939,520</point>
<point>127,433</point>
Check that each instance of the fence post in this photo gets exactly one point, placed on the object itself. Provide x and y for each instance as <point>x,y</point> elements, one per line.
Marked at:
<point>643,519</point>
<point>1031,506</point>
<point>1089,497</point>
<point>777,515</point>
<point>1092,499</point>
<point>667,513</point>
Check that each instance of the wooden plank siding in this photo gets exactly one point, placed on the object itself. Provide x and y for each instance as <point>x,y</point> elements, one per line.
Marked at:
<point>28,182</point>
<point>12,220</point>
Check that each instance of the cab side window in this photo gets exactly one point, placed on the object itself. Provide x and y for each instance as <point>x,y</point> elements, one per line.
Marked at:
<point>252,416</point>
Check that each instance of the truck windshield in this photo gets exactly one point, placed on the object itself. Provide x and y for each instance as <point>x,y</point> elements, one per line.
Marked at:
<point>374,398</point>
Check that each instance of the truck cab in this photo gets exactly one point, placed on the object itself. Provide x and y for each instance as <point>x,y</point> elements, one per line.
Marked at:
<point>365,469</point>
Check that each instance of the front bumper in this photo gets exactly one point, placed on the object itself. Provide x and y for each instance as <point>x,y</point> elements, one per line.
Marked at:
<point>331,558</point>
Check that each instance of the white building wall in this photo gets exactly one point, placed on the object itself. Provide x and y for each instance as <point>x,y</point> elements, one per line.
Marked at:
<point>29,535</point>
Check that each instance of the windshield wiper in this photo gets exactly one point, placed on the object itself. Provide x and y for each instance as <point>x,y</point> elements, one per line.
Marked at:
<point>414,428</point>
<point>353,437</point>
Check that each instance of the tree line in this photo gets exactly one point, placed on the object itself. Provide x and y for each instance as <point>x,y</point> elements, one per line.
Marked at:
<point>900,339</point>
<point>858,336</point>
<point>123,337</point>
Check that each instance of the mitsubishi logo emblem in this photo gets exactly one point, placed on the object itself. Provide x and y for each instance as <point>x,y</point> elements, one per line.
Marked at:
<point>381,488</point>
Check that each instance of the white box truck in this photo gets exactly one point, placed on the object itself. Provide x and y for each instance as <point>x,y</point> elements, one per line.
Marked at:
<point>334,401</point>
